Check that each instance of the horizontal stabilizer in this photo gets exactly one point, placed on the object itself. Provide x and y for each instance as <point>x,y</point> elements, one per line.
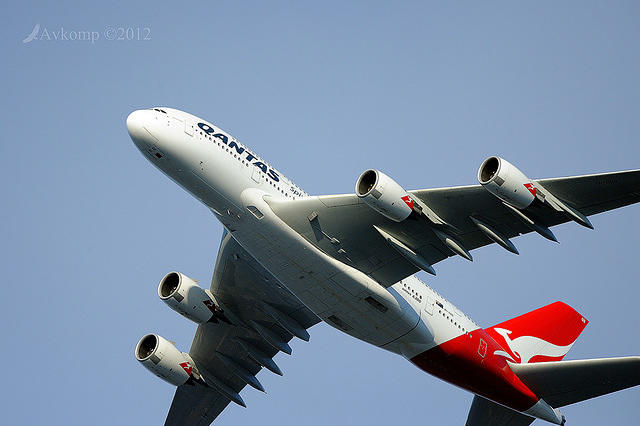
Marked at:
<point>562,383</point>
<point>487,413</point>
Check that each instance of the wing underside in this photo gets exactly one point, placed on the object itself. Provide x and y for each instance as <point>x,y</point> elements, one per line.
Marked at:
<point>345,228</point>
<point>230,355</point>
<point>195,405</point>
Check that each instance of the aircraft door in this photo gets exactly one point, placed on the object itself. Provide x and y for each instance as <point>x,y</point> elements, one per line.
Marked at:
<point>189,127</point>
<point>256,174</point>
<point>428,305</point>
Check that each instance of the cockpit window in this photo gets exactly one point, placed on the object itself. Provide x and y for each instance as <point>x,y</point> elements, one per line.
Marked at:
<point>160,110</point>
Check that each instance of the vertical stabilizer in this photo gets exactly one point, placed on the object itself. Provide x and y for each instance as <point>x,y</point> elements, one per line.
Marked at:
<point>545,334</point>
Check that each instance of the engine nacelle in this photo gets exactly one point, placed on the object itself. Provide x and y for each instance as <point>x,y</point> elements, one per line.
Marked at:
<point>384,195</point>
<point>184,296</point>
<point>164,360</point>
<point>506,182</point>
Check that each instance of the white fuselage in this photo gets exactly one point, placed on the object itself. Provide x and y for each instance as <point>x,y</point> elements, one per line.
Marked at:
<point>237,186</point>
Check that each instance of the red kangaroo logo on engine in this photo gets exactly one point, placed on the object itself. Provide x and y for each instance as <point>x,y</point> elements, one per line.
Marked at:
<point>532,189</point>
<point>186,367</point>
<point>408,201</point>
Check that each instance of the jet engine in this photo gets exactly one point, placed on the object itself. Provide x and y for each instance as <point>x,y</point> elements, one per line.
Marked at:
<point>184,296</point>
<point>164,360</point>
<point>384,195</point>
<point>506,182</point>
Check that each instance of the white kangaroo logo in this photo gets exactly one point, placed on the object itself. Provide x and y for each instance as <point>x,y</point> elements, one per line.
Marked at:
<point>526,347</point>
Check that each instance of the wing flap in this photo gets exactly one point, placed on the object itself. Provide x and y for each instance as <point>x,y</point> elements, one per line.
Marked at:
<point>562,383</point>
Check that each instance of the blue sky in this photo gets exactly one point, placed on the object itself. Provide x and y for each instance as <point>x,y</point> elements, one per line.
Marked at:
<point>423,91</point>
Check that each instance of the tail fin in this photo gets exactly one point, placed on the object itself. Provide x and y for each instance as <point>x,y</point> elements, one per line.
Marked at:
<point>545,334</point>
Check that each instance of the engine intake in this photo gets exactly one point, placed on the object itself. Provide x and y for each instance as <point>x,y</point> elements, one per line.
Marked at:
<point>164,360</point>
<point>184,296</point>
<point>507,182</point>
<point>384,195</point>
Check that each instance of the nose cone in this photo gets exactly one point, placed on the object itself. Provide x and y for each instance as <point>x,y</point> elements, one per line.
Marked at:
<point>137,125</point>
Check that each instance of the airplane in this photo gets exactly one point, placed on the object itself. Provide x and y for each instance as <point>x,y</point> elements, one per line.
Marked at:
<point>288,260</point>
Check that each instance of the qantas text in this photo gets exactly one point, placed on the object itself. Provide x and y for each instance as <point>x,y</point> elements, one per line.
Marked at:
<point>240,150</point>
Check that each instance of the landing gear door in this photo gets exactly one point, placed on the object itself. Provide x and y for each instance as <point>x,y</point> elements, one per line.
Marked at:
<point>428,305</point>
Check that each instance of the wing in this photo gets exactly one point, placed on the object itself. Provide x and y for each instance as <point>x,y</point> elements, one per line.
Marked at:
<point>345,228</point>
<point>195,405</point>
<point>487,413</point>
<point>258,315</point>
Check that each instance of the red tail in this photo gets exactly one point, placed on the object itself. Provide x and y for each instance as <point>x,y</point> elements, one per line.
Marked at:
<point>545,334</point>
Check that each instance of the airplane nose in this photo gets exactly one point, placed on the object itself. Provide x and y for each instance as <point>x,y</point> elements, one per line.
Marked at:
<point>136,122</point>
